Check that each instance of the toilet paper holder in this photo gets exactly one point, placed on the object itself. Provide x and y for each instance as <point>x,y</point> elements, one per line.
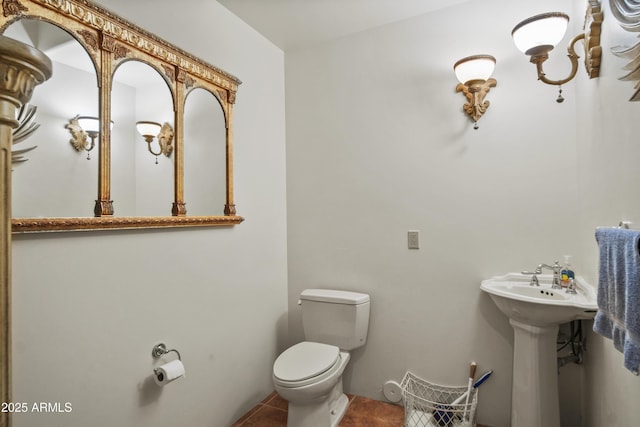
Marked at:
<point>160,350</point>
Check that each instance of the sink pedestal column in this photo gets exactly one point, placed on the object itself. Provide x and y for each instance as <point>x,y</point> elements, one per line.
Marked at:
<point>534,395</point>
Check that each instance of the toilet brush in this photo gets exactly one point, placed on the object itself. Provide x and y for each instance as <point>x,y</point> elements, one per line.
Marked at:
<point>472,374</point>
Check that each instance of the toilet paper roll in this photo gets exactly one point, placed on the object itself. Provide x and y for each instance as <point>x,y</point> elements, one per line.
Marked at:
<point>392,391</point>
<point>168,372</point>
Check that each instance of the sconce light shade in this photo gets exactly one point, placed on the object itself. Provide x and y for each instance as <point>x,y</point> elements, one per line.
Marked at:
<point>476,67</point>
<point>148,129</point>
<point>89,124</point>
<point>540,33</point>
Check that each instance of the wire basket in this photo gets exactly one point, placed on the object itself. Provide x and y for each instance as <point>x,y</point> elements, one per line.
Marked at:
<point>430,405</point>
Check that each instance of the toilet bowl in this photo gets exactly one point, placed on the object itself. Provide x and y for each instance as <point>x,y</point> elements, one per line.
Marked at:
<point>309,376</point>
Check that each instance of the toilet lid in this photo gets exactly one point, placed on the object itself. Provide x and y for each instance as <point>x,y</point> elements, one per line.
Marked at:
<point>305,360</point>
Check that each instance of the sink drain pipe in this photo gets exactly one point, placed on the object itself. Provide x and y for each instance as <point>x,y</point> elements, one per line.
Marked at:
<point>578,345</point>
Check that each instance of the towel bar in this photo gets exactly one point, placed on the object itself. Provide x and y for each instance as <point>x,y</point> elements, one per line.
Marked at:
<point>627,225</point>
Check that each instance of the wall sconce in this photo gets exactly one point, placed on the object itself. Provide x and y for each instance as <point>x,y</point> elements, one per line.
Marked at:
<point>164,133</point>
<point>80,127</point>
<point>538,35</point>
<point>473,73</point>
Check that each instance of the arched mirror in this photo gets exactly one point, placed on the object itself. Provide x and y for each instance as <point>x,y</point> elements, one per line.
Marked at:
<point>142,142</point>
<point>136,99</point>
<point>204,154</point>
<point>56,175</point>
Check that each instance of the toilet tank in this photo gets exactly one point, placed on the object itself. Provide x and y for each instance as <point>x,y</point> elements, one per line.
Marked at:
<point>339,318</point>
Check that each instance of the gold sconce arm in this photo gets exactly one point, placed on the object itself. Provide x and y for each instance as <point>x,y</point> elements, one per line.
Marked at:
<point>573,57</point>
<point>149,139</point>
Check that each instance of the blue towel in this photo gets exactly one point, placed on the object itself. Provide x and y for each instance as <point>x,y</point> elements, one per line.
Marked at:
<point>618,316</point>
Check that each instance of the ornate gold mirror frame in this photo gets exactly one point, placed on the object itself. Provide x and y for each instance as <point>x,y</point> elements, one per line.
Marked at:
<point>21,69</point>
<point>110,40</point>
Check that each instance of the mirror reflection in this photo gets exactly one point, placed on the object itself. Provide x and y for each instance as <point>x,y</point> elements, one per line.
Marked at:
<point>142,178</point>
<point>56,179</point>
<point>204,154</point>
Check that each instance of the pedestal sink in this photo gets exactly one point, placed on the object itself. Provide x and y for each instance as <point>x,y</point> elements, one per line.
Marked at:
<point>535,313</point>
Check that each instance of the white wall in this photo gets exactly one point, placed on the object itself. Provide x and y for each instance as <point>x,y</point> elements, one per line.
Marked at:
<point>608,176</point>
<point>377,144</point>
<point>88,307</point>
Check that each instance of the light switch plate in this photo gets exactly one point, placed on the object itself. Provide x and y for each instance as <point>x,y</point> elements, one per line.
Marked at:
<point>413,238</point>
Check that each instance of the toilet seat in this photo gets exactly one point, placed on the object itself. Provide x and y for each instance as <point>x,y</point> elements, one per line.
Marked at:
<point>305,363</point>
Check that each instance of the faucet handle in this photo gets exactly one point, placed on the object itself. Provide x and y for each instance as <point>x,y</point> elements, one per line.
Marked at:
<point>534,277</point>
<point>571,289</point>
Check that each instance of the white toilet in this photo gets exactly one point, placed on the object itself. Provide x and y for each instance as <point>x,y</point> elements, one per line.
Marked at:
<point>309,374</point>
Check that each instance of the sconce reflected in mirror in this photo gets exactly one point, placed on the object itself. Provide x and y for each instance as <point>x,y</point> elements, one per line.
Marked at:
<point>82,127</point>
<point>538,35</point>
<point>164,133</point>
<point>473,73</point>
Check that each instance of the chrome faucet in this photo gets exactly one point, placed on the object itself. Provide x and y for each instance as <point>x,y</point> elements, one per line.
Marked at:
<point>556,268</point>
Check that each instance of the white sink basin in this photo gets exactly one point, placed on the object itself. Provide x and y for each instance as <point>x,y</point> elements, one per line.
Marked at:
<point>539,305</point>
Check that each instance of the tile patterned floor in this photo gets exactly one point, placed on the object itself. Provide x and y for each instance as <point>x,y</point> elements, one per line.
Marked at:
<point>361,412</point>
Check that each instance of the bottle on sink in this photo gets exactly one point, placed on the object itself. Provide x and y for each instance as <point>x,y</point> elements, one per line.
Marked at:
<point>567,274</point>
